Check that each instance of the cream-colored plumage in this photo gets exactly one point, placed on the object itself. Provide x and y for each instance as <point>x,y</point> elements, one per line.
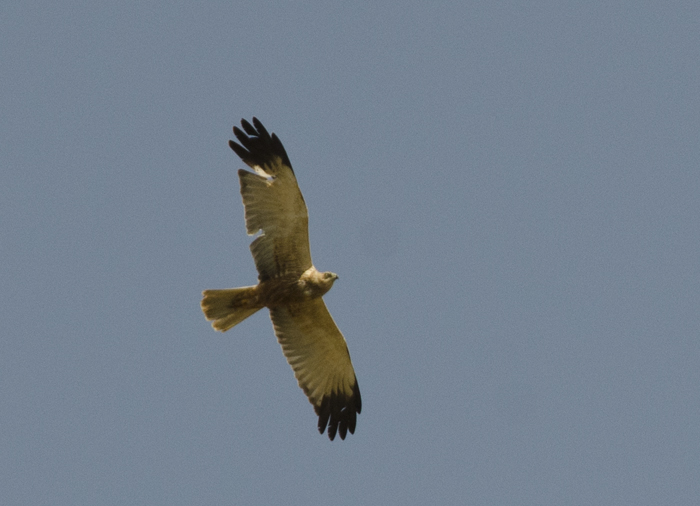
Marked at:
<point>289,285</point>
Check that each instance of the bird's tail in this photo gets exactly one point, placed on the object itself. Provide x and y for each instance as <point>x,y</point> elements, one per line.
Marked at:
<point>227,308</point>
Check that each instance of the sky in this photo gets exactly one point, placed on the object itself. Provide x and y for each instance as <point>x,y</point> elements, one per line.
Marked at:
<point>509,192</point>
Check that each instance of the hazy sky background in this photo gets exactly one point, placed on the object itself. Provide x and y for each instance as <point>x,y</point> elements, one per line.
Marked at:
<point>509,191</point>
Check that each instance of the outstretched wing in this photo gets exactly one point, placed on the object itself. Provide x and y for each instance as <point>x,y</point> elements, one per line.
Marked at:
<point>273,204</point>
<point>319,356</point>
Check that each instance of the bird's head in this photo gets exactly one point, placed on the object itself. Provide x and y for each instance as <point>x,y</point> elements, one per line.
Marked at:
<point>318,282</point>
<point>330,277</point>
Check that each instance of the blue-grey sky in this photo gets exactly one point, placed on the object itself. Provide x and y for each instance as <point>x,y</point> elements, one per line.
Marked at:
<point>509,191</point>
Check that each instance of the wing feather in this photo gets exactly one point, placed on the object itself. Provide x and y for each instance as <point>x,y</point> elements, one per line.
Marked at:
<point>318,354</point>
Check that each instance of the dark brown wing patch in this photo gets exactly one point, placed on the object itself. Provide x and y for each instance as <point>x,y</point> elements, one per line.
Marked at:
<point>258,148</point>
<point>339,412</point>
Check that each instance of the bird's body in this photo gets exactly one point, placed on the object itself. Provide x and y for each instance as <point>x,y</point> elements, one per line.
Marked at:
<point>288,283</point>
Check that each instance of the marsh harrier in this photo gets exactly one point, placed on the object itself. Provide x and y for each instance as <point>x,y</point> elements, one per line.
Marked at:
<point>288,283</point>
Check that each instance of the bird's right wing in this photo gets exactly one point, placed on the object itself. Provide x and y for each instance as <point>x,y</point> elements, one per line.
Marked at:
<point>273,204</point>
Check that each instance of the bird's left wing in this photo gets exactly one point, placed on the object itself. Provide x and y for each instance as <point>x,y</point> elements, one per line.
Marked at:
<point>319,356</point>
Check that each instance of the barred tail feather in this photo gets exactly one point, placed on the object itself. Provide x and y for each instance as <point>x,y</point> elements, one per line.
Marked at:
<point>229,307</point>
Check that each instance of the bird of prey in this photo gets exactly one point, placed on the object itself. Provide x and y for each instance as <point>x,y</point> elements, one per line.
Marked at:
<point>288,283</point>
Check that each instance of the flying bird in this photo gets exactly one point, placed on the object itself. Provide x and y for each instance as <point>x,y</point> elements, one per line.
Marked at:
<point>288,283</point>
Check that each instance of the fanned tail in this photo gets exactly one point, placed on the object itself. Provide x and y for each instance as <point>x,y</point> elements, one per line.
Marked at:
<point>229,307</point>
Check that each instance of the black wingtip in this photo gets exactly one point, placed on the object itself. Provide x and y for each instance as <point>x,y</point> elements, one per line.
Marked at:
<point>338,413</point>
<point>255,146</point>
<point>260,128</point>
<point>248,128</point>
<point>239,150</point>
